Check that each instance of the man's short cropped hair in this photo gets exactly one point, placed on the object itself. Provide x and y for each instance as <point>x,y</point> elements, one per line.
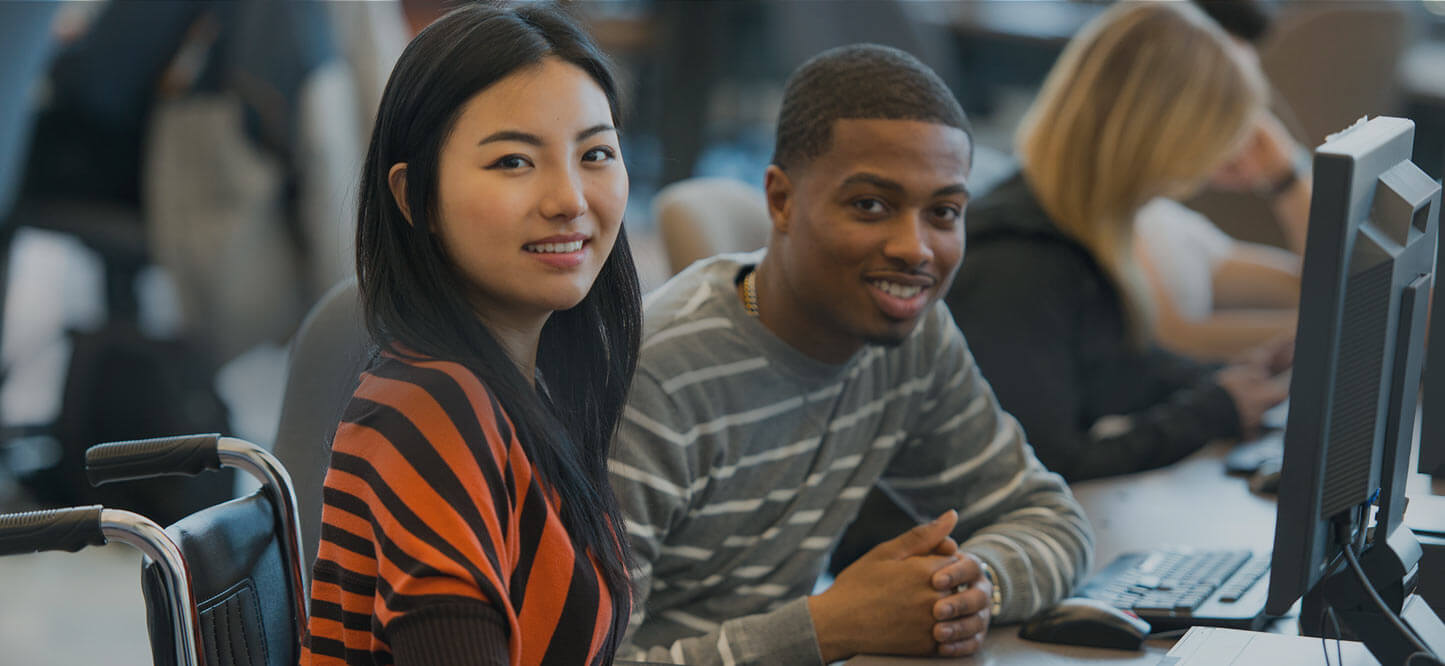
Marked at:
<point>860,81</point>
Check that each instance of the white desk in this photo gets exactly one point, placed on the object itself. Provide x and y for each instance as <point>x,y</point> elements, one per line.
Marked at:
<point>1191,503</point>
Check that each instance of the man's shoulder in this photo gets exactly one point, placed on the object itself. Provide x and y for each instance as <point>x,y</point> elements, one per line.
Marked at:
<point>694,317</point>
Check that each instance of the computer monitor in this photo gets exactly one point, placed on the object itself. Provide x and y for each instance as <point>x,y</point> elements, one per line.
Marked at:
<point>1368,271</point>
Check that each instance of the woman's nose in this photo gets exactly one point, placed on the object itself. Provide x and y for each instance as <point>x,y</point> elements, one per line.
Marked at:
<point>565,199</point>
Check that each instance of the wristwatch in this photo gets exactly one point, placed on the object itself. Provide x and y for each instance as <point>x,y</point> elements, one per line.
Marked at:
<point>997,606</point>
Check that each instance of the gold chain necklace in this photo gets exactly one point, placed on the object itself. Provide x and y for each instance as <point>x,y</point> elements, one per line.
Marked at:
<point>750,292</point>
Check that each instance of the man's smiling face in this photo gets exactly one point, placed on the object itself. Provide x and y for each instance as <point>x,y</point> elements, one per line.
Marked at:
<point>868,235</point>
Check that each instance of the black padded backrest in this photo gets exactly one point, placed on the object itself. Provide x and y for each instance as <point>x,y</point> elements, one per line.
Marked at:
<point>241,585</point>
<point>329,352</point>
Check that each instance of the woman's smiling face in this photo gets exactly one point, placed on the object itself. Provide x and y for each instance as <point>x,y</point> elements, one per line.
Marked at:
<point>531,191</point>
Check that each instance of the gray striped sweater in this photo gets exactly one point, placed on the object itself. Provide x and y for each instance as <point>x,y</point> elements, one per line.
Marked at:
<point>740,461</point>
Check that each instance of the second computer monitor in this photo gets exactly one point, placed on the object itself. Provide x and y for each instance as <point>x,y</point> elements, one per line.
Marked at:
<point>1368,269</point>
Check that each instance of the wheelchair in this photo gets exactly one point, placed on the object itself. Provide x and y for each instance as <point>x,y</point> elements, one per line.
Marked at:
<point>223,586</point>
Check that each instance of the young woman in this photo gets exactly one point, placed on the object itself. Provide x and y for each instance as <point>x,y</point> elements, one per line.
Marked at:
<point>468,518</point>
<point>1148,101</point>
<point>1215,296</point>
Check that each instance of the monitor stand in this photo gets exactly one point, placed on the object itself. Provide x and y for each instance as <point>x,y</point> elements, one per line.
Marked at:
<point>1393,568</point>
<point>1426,518</point>
<point>1432,571</point>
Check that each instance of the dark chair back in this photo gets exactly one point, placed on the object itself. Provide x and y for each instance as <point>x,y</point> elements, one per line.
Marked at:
<point>329,352</point>
<point>222,585</point>
<point>241,586</point>
<point>244,602</point>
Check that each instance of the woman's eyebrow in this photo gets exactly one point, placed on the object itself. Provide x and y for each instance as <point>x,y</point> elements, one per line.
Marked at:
<point>595,129</point>
<point>533,139</point>
<point>512,135</point>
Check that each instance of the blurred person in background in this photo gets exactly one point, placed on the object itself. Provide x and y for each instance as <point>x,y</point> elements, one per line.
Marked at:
<point>120,369</point>
<point>249,164</point>
<point>717,66</point>
<point>1215,296</point>
<point>1149,100</point>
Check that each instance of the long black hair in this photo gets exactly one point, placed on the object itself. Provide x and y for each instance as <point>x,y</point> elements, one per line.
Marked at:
<point>414,297</point>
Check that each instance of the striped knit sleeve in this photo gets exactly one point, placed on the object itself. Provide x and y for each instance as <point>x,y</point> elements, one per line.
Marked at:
<point>650,479</point>
<point>966,453</point>
<point>653,476</point>
<point>429,452</point>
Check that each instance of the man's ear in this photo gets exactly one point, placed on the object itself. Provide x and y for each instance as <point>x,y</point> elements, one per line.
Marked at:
<point>779,191</point>
<point>396,180</point>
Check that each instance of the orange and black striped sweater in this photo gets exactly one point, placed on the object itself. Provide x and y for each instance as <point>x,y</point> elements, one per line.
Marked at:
<point>438,543</point>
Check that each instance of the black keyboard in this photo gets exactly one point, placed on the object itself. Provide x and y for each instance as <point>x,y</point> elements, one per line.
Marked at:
<point>1175,588</point>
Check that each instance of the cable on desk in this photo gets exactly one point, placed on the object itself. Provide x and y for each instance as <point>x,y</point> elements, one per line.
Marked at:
<point>1324,639</point>
<point>1394,619</point>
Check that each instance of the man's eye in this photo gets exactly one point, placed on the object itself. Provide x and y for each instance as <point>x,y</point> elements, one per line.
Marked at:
<point>947,214</point>
<point>870,206</point>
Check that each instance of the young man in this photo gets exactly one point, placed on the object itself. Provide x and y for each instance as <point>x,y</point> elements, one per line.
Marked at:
<point>776,389</point>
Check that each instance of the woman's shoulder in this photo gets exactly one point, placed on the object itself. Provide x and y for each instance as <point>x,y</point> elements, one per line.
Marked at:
<point>1010,221</point>
<point>420,399</point>
<point>1026,255</point>
<point>1026,245</point>
<point>416,376</point>
<point>1013,246</point>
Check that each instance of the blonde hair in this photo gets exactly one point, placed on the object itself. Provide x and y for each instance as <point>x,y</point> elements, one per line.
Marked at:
<point>1146,101</point>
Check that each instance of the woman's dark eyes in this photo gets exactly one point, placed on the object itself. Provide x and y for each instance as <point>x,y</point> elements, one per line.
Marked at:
<point>513,162</point>
<point>599,154</point>
<point>510,162</point>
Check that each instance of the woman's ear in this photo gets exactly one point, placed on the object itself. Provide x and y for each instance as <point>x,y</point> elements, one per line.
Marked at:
<point>396,180</point>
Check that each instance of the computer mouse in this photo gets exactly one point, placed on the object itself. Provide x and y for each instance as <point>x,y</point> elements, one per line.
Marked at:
<point>1265,480</point>
<point>1248,456</point>
<point>1079,621</point>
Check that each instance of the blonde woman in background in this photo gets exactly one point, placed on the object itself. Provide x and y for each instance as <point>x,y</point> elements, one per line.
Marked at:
<point>1150,100</point>
<point>1214,295</point>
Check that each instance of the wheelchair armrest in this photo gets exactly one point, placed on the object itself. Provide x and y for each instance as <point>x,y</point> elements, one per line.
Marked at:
<point>186,455</point>
<point>69,529</point>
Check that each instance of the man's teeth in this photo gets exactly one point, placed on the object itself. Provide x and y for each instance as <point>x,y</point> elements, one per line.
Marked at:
<point>559,248</point>
<point>897,290</point>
